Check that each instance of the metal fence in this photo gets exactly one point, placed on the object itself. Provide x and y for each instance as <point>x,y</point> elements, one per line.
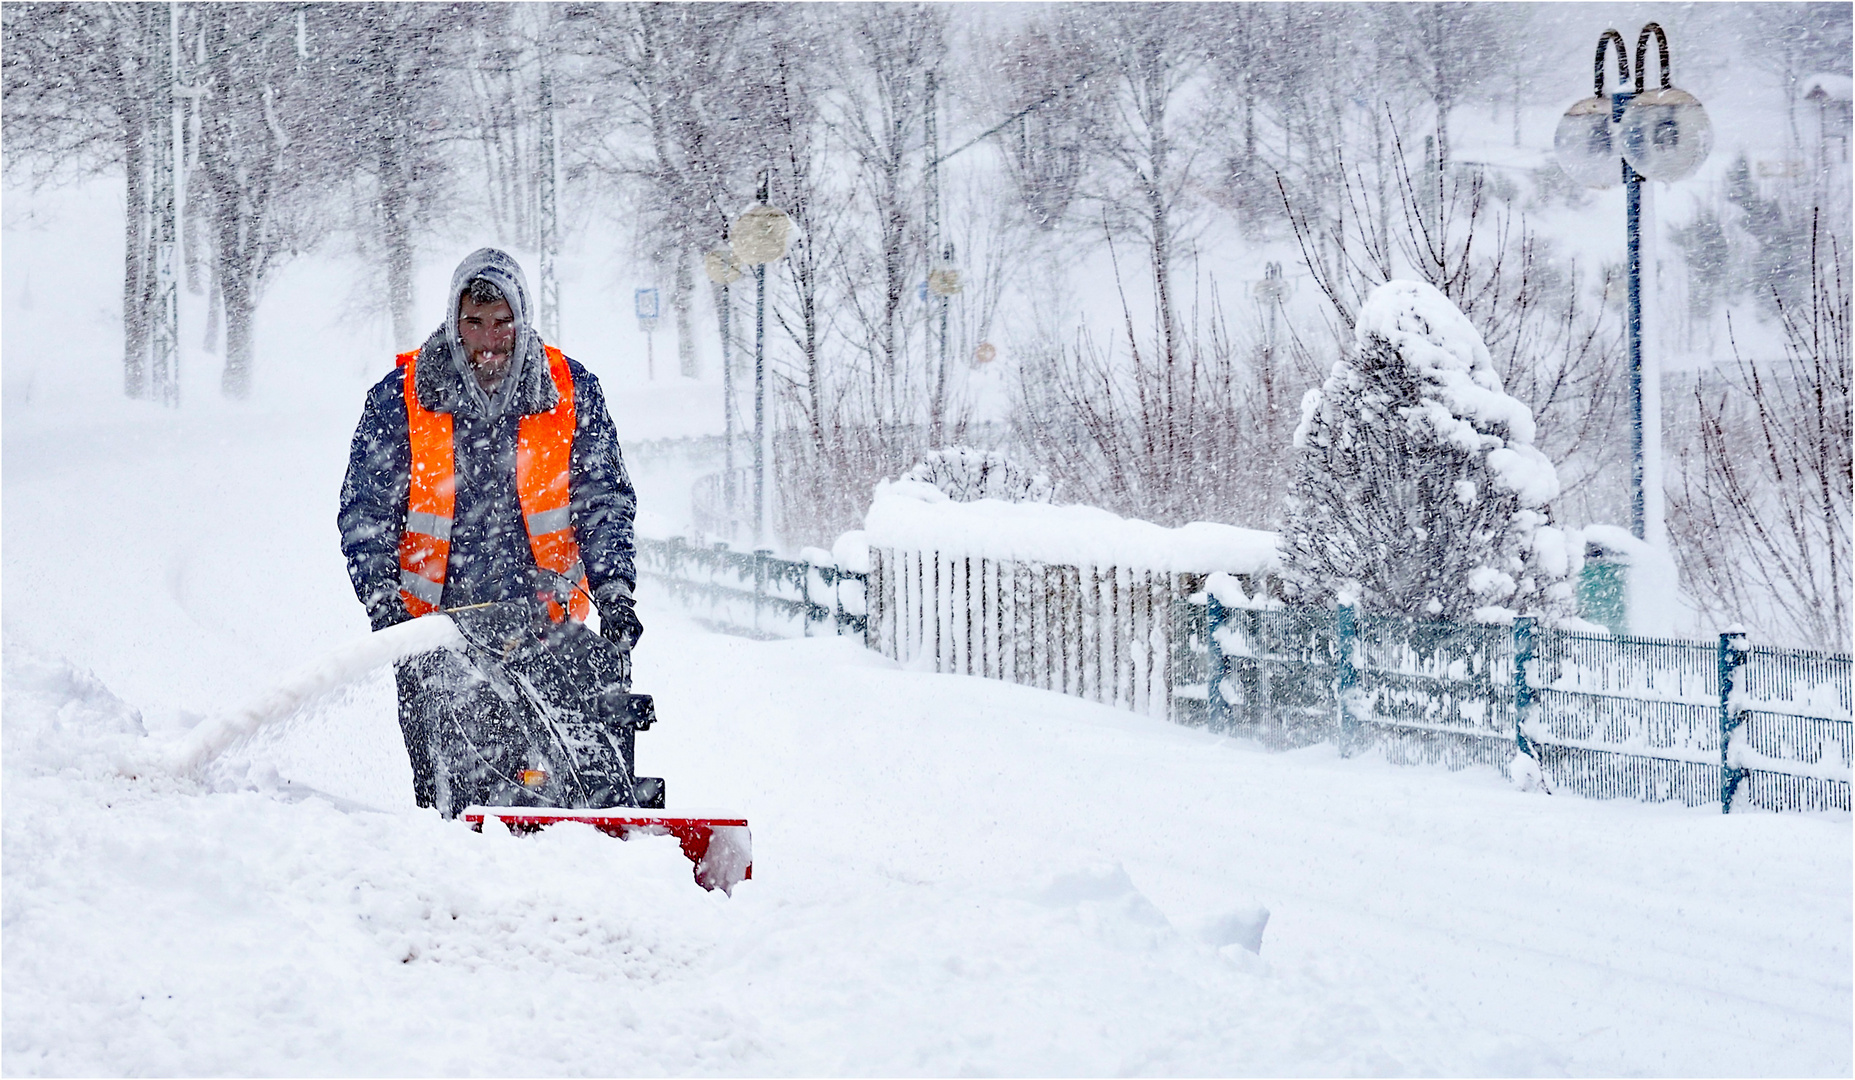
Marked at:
<point>1605,717</point>
<point>754,593</point>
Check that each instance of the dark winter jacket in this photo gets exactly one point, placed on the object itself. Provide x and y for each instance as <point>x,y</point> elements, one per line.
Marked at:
<point>490,558</point>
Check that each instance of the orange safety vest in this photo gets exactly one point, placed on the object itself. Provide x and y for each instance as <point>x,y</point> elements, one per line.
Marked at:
<point>543,454</point>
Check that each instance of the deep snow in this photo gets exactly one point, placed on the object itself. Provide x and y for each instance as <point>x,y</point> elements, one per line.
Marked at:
<point>951,875</point>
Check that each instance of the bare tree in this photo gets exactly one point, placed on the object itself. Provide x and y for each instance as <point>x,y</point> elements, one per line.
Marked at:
<point>890,53</point>
<point>1760,517</point>
<point>390,67</point>
<point>261,155</point>
<point>79,83</point>
<point>1200,434</point>
<point>1052,97</point>
<point>690,88</point>
<point>1152,53</point>
<point>1448,51</point>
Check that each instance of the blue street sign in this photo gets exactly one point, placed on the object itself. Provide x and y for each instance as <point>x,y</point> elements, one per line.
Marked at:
<point>645,300</point>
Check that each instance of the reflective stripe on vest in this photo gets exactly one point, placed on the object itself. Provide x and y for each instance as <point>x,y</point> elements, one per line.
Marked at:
<point>543,459</point>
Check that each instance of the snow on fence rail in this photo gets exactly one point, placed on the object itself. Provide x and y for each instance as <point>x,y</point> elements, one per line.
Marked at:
<point>755,593</point>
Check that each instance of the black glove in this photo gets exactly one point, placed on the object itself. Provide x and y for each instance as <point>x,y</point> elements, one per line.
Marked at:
<point>387,609</point>
<point>618,623</point>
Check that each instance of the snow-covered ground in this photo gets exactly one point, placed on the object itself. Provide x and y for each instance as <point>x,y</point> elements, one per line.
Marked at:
<point>952,876</point>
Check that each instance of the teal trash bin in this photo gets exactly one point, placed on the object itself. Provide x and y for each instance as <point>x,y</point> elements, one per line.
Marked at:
<point>1603,589</point>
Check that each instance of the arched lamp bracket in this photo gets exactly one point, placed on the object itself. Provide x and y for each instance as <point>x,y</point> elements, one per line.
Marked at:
<point>1642,55</point>
<point>1623,60</point>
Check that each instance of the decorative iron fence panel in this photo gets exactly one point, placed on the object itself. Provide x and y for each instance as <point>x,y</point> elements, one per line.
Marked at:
<point>1630,718</point>
<point>1280,670</point>
<point>1786,719</point>
<point>754,593</point>
<point>1435,693</point>
<point>1605,717</point>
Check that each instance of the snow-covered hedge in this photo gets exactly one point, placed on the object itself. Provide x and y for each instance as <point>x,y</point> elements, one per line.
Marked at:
<point>968,474</point>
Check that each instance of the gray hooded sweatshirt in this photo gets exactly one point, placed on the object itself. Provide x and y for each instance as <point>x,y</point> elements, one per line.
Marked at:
<point>527,388</point>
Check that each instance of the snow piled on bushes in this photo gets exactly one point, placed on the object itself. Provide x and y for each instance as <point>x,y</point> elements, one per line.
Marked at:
<point>1419,490</point>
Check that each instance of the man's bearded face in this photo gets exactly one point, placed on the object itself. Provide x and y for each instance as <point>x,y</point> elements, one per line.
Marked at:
<point>488,334</point>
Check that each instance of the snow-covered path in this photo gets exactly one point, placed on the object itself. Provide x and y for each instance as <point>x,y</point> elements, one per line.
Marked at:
<point>952,875</point>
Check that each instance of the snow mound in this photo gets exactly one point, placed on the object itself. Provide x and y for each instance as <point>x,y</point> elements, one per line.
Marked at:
<point>1239,926</point>
<point>62,720</point>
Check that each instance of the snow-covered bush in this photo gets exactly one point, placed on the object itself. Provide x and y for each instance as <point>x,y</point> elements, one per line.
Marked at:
<point>968,474</point>
<point>1418,489</point>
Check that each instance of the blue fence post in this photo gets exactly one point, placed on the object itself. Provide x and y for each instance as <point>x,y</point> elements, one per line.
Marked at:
<point>761,557</point>
<point>1346,674</point>
<point>1217,710</point>
<point>805,598</point>
<point>1523,687</point>
<point>1733,652</point>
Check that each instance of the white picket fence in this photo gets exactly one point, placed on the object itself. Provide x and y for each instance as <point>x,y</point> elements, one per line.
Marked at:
<point>1063,598</point>
<point>1101,633</point>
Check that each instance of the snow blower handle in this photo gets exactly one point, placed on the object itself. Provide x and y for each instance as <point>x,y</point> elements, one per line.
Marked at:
<point>559,588</point>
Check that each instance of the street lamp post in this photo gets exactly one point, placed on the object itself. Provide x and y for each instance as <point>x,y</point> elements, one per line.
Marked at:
<point>721,269</point>
<point>759,236</point>
<point>1660,134</point>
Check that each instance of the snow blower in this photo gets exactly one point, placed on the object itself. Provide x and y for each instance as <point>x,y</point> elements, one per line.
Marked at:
<point>524,721</point>
<point>533,722</point>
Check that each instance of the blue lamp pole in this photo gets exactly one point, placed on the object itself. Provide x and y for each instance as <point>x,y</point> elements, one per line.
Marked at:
<point>758,237</point>
<point>1632,214</point>
<point>1636,134</point>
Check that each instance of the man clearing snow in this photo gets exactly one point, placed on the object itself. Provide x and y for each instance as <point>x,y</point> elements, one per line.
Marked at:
<point>485,469</point>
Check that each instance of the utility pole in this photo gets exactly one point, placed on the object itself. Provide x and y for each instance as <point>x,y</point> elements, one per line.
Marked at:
<point>933,248</point>
<point>550,178</point>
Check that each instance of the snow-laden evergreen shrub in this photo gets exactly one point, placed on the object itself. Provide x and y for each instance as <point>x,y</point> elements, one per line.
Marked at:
<point>1418,490</point>
<point>968,474</point>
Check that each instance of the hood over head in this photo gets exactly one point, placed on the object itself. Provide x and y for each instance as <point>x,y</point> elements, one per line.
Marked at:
<point>527,388</point>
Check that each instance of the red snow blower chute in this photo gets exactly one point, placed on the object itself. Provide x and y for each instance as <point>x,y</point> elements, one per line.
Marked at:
<point>533,723</point>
